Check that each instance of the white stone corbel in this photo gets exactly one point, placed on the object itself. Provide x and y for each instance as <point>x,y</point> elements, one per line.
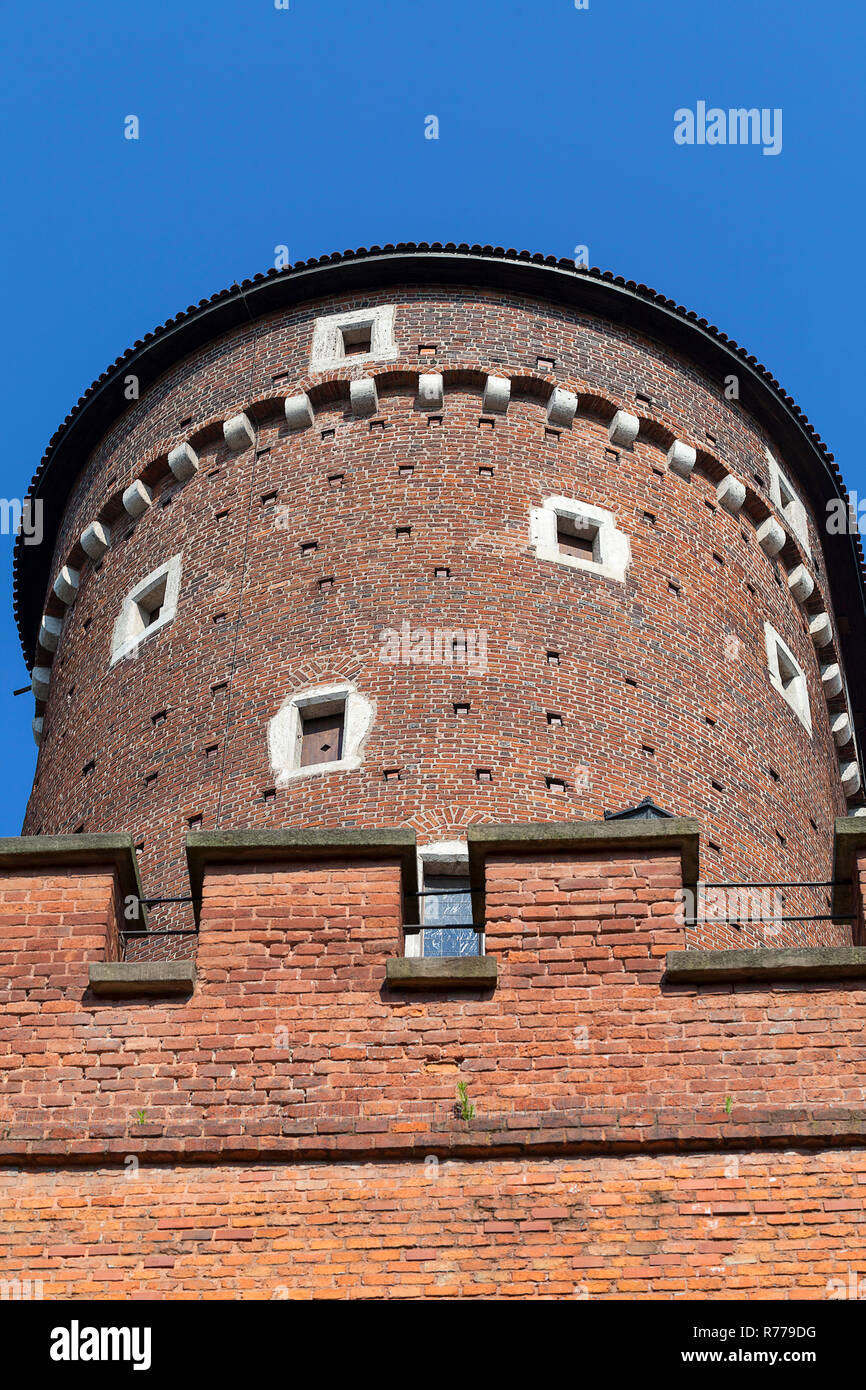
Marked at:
<point>137,498</point>
<point>681,458</point>
<point>66,584</point>
<point>238,432</point>
<point>37,727</point>
<point>363,397</point>
<point>431,391</point>
<point>96,539</point>
<point>770,536</point>
<point>850,774</point>
<point>623,429</point>
<point>731,494</point>
<point>299,411</point>
<point>183,462</point>
<point>49,632</point>
<point>840,727</point>
<point>561,408</point>
<point>821,630</point>
<point>40,678</point>
<point>801,583</point>
<point>831,679</point>
<point>497,394</point>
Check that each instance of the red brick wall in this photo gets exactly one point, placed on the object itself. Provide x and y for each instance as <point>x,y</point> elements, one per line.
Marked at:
<point>695,658</point>
<point>859,898</point>
<point>291,1043</point>
<point>291,1129</point>
<point>52,926</point>
<point>780,1225</point>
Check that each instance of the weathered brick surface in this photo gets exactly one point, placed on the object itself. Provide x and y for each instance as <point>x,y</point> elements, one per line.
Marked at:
<point>291,1043</point>
<point>695,655</point>
<point>290,1131</point>
<point>787,1225</point>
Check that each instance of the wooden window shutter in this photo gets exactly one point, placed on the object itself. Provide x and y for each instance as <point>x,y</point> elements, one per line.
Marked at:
<point>322,738</point>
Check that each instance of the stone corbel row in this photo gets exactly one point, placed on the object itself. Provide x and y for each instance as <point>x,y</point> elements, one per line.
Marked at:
<point>561,409</point>
<point>183,462</point>
<point>771,536</point>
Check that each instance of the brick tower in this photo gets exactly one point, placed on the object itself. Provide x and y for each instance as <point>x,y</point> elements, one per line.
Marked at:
<point>447,674</point>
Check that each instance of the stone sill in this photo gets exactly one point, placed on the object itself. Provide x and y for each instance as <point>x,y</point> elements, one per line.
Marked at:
<point>121,979</point>
<point>441,972</point>
<point>794,963</point>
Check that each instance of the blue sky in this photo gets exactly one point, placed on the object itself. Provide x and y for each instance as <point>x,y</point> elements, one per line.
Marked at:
<point>304,127</point>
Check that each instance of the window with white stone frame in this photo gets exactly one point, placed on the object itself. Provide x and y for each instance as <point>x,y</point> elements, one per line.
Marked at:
<point>783,497</point>
<point>580,535</point>
<point>443,925</point>
<point>362,335</point>
<point>147,609</point>
<point>319,730</point>
<point>788,676</point>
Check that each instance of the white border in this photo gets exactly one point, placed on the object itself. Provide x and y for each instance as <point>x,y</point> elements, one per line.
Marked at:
<point>285,730</point>
<point>614,548</point>
<point>126,637</point>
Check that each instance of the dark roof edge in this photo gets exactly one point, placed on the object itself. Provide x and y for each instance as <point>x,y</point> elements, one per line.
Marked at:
<point>590,291</point>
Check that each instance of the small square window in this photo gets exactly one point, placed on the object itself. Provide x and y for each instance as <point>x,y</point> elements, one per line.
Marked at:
<point>358,335</point>
<point>148,608</point>
<point>788,676</point>
<point>581,536</point>
<point>447,916</point>
<point>319,730</point>
<point>577,538</point>
<point>783,496</point>
<point>443,923</point>
<point>357,339</point>
<point>322,738</point>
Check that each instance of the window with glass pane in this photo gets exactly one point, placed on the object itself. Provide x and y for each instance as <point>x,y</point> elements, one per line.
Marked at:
<point>448,917</point>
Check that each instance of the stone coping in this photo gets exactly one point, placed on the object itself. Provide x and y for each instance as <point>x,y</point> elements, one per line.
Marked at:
<point>585,837</point>
<point>206,847</point>
<point>766,964</point>
<point>46,853</point>
<point>441,972</point>
<point>849,838</point>
<point>120,979</point>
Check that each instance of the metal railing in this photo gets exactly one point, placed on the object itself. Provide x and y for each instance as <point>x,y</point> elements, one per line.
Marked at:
<point>145,934</point>
<point>763,911</point>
